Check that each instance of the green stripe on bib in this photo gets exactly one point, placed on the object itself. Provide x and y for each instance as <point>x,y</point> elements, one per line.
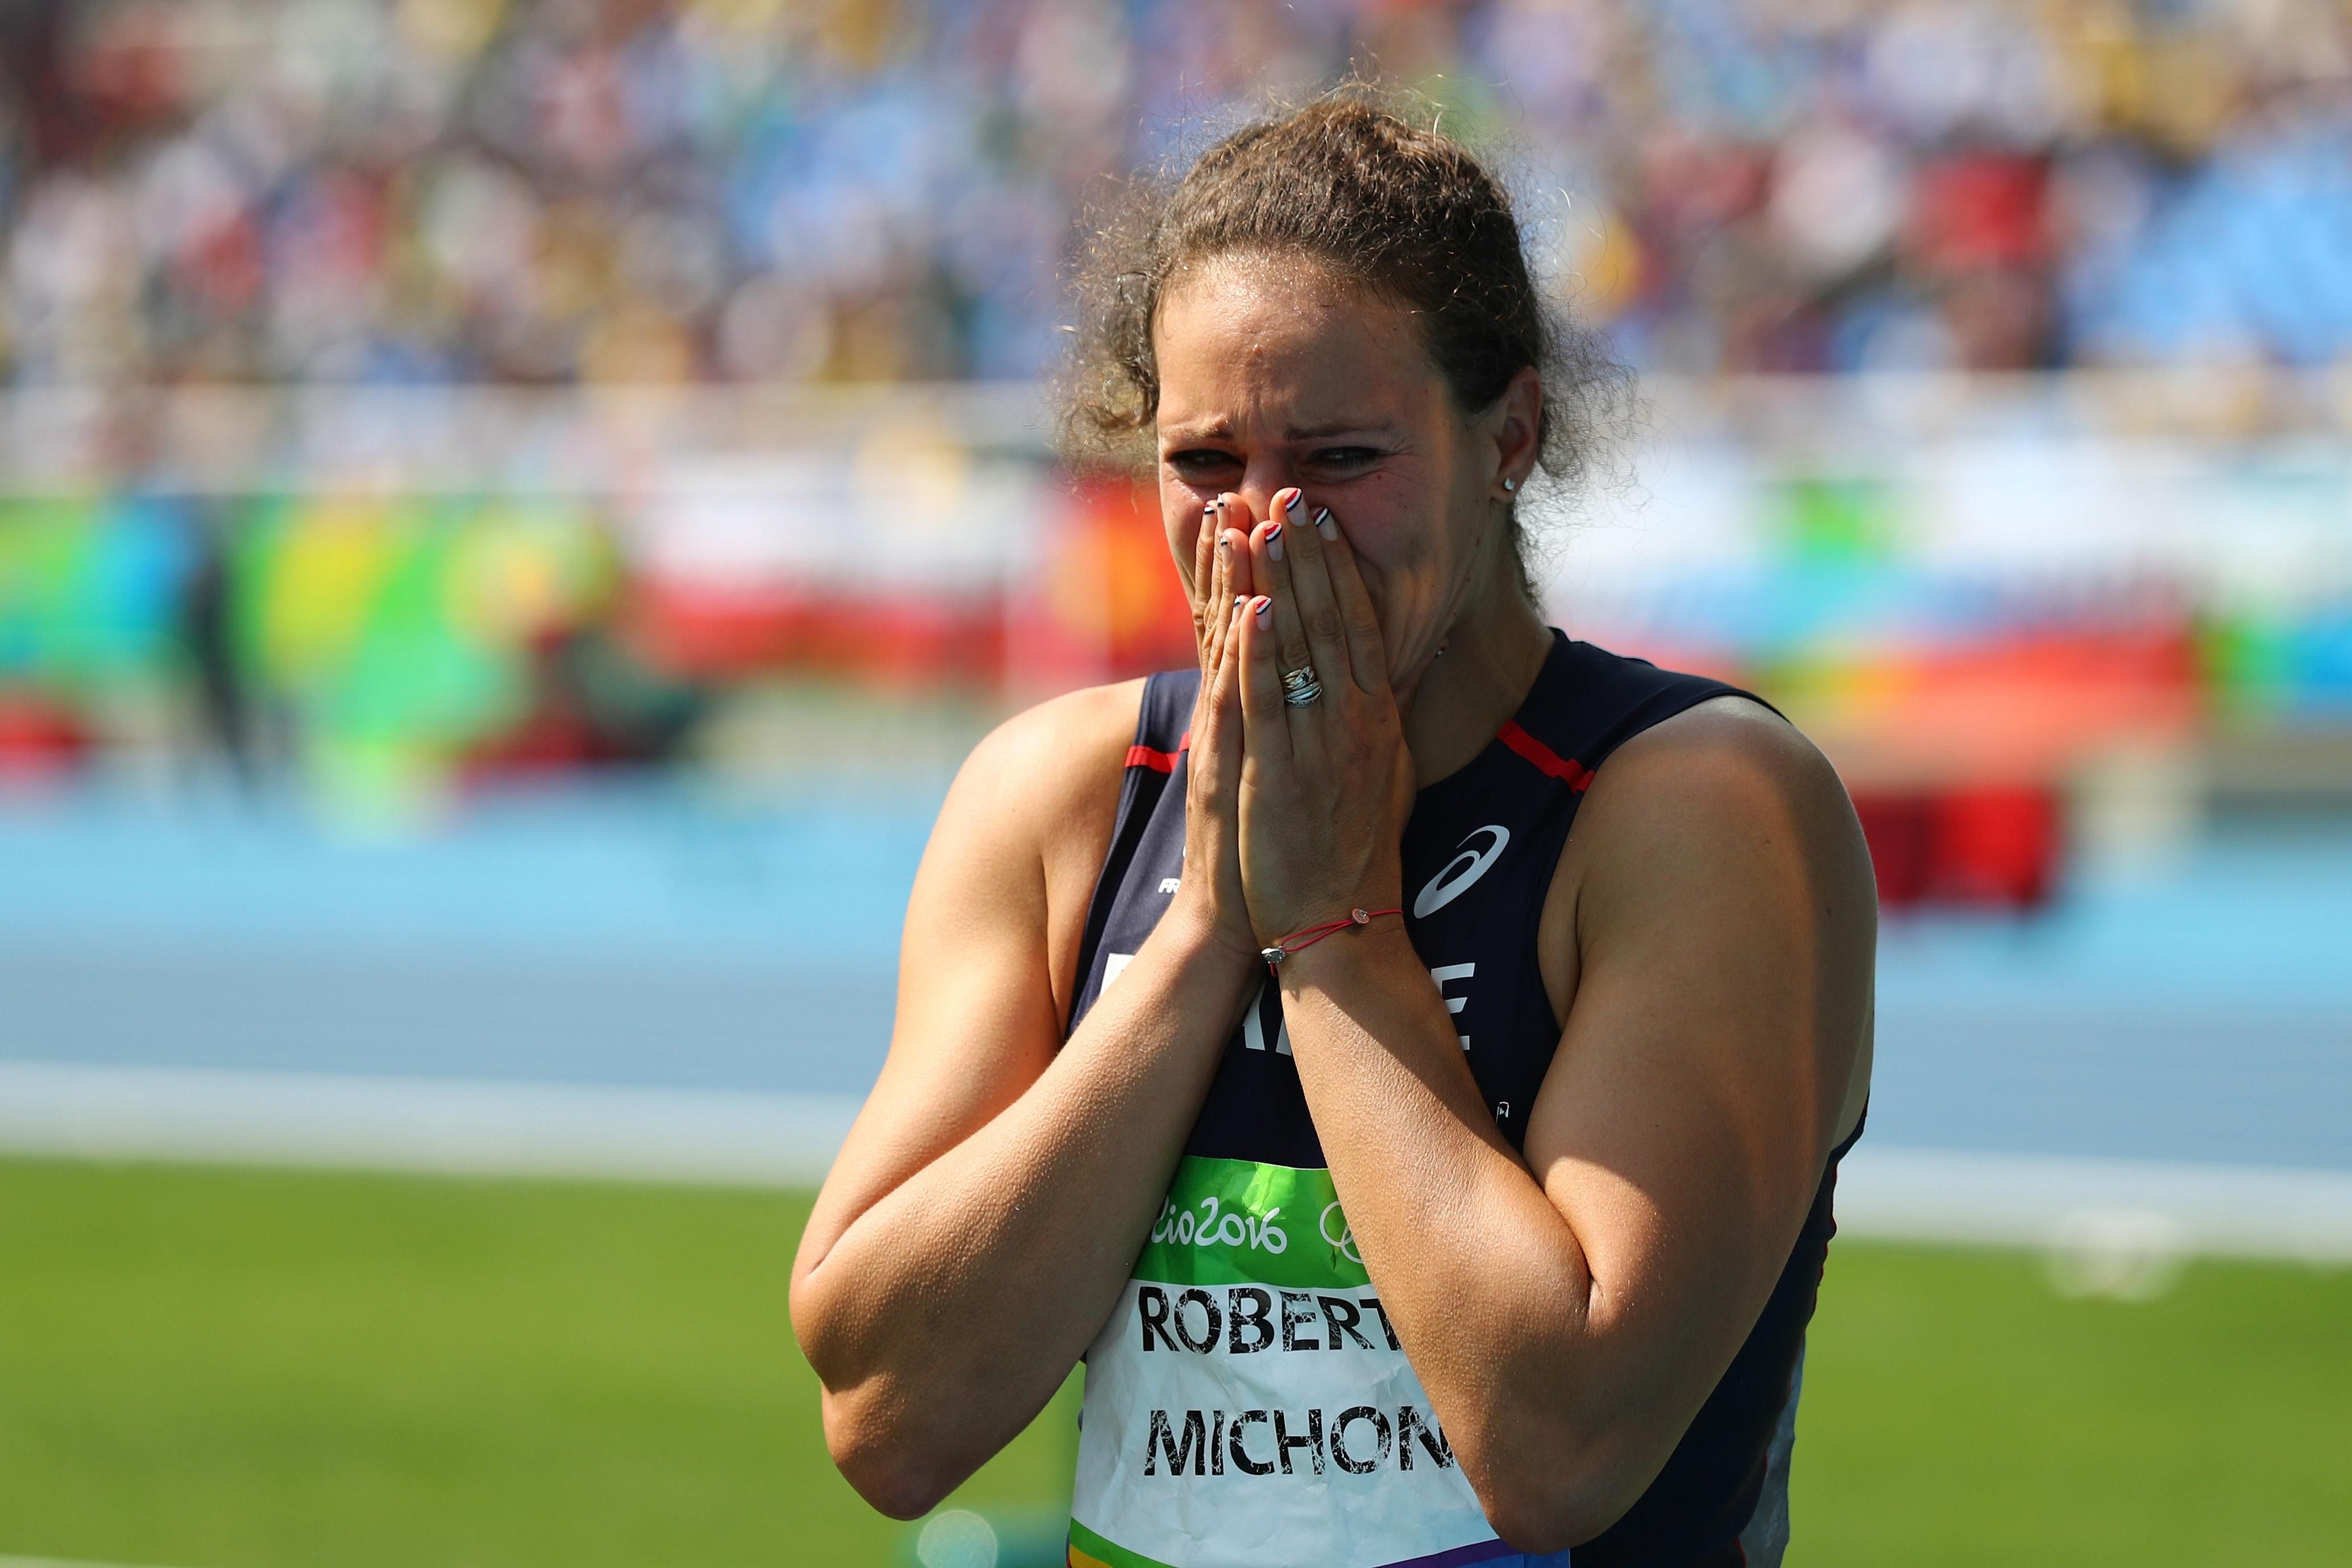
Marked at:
<point>1235,1222</point>
<point>1093,1548</point>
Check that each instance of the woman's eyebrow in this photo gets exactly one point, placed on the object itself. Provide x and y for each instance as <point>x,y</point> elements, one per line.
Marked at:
<point>1222,429</point>
<point>1204,430</point>
<point>1336,428</point>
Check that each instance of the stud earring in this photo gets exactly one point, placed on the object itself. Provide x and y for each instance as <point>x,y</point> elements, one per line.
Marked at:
<point>1510,485</point>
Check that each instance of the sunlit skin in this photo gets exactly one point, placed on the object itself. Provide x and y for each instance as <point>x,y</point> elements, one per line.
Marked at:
<point>1276,373</point>
<point>1279,379</point>
<point>1706,944</point>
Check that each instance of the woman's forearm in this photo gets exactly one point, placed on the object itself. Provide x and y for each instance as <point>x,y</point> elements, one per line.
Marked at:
<point>1483,1278</point>
<point>945,1316</point>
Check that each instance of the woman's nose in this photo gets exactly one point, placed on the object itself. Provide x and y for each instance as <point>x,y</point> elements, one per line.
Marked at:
<point>1261,481</point>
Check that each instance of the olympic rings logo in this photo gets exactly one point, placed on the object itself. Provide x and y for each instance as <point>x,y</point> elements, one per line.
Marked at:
<point>1345,1241</point>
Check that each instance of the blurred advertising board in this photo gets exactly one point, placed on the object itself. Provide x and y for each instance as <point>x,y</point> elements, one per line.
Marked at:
<point>1990,598</point>
<point>2013,610</point>
<point>389,590</point>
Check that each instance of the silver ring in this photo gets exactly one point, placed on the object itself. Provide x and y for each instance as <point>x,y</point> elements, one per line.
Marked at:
<point>1299,687</point>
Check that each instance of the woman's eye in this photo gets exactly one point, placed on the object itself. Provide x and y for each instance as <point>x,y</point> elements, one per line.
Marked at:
<point>1344,457</point>
<point>1200,464</point>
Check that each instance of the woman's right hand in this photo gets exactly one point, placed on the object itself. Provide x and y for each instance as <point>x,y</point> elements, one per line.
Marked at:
<point>1209,893</point>
<point>996,1149</point>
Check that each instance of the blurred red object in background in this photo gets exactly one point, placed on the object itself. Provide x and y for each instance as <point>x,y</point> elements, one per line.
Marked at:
<point>2015,708</point>
<point>1105,606</point>
<point>1982,210</point>
<point>1108,581</point>
<point>707,631</point>
<point>1985,846</point>
<point>38,738</point>
<point>1897,828</point>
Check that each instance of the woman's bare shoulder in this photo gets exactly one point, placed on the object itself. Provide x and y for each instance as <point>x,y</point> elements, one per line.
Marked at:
<point>1026,827</point>
<point>1721,928</point>
<point>1728,753</point>
<point>1051,767</point>
<point>1699,807</point>
<point>1708,786</point>
<point>1081,727</point>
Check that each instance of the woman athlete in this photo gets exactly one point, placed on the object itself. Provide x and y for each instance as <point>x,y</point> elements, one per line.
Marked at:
<point>1407,1057</point>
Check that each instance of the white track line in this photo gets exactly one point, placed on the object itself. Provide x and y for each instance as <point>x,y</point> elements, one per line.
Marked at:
<point>2036,1200</point>
<point>790,1140</point>
<point>421,1124</point>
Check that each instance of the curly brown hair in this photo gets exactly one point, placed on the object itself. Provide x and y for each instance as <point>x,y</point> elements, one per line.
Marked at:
<point>1390,205</point>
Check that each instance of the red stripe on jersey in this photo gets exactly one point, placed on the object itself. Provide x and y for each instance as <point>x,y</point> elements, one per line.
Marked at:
<point>1546,760</point>
<point>1158,762</point>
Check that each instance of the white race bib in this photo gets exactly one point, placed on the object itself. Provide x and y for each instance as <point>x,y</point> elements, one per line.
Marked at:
<point>1247,1405</point>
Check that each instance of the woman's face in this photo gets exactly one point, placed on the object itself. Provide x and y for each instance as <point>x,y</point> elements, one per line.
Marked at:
<point>1273,373</point>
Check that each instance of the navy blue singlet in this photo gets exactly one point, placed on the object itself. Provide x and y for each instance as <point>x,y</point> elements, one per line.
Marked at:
<point>1220,1425</point>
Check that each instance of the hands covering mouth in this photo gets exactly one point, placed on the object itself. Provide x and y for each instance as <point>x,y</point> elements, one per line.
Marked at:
<point>1301,781</point>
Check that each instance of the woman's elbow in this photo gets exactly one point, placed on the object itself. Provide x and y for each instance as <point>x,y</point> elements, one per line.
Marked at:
<point>1540,1523</point>
<point>865,1429</point>
<point>1549,1497</point>
<point>884,1464</point>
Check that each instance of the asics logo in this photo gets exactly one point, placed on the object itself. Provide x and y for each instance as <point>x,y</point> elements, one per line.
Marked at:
<point>1455,877</point>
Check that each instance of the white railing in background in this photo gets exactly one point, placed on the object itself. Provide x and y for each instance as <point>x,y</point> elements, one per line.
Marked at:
<point>208,438</point>
<point>2232,481</point>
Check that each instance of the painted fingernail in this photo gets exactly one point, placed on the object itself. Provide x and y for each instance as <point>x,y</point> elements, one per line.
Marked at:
<point>1327,525</point>
<point>1262,608</point>
<point>1296,509</point>
<point>1272,533</point>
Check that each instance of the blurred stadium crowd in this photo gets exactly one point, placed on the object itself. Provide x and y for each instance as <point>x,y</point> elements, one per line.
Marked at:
<point>540,191</point>
<point>398,391</point>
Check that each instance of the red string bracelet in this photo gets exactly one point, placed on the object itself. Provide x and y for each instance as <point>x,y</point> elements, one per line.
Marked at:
<point>1299,941</point>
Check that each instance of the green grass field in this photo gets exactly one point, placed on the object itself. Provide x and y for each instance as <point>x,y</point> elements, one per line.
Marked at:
<point>235,1369</point>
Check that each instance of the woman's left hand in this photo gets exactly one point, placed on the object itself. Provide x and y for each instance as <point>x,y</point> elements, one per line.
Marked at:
<point>1327,786</point>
